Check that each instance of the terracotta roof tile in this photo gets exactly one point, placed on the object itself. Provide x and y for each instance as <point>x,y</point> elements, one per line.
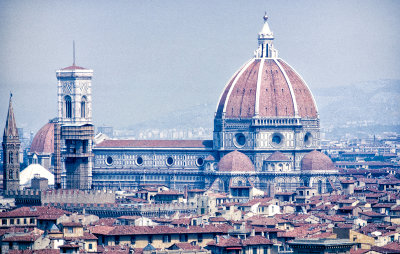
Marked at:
<point>156,144</point>
<point>235,162</point>
<point>43,142</point>
<point>257,240</point>
<point>74,67</point>
<point>316,161</point>
<point>278,156</point>
<point>42,251</point>
<point>42,212</point>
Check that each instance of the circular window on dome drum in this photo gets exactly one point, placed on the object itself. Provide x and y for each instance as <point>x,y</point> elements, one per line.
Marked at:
<point>139,161</point>
<point>240,140</point>
<point>199,162</point>
<point>109,160</point>
<point>169,161</point>
<point>277,139</point>
<point>307,139</point>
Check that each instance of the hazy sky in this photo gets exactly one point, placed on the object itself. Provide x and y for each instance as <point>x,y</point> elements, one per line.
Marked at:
<point>153,57</point>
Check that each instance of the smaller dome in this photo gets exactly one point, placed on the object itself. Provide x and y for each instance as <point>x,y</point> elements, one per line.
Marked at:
<point>316,161</point>
<point>235,162</point>
<point>210,158</point>
<point>29,173</point>
<point>278,156</point>
<point>43,142</point>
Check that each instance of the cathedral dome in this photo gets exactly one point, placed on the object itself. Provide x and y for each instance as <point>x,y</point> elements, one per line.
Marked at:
<point>266,87</point>
<point>43,142</point>
<point>316,161</point>
<point>235,162</point>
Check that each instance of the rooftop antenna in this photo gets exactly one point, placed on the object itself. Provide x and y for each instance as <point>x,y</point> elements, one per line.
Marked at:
<point>73,52</point>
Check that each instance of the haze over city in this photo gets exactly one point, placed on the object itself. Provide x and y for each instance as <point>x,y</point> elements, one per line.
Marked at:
<point>153,58</point>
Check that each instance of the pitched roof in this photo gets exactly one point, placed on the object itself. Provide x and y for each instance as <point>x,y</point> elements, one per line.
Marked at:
<point>278,156</point>
<point>156,144</point>
<point>30,237</point>
<point>148,230</point>
<point>74,67</point>
<point>184,246</point>
<point>257,240</point>
<point>41,212</point>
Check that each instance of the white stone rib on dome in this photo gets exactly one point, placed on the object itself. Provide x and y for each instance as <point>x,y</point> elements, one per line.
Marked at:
<point>227,83</point>
<point>29,173</point>
<point>296,110</point>
<point>236,79</point>
<point>257,108</point>
<point>305,83</point>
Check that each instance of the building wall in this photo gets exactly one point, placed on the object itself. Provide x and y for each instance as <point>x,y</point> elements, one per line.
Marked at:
<point>157,240</point>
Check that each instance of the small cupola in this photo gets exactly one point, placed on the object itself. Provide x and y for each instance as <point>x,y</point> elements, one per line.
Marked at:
<point>265,42</point>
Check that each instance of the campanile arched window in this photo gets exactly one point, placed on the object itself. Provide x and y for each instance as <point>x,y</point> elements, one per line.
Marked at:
<point>68,106</point>
<point>83,106</point>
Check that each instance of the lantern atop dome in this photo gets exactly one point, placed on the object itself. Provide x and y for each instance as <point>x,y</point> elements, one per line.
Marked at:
<point>265,42</point>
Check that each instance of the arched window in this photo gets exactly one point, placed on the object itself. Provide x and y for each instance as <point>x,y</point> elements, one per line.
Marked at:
<point>10,158</point>
<point>319,186</point>
<point>68,106</point>
<point>83,107</point>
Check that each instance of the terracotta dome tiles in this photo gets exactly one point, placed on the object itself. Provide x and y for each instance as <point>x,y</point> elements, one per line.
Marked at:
<point>305,103</point>
<point>43,142</point>
<point>315,161</point>
<point>241,102</point>
<point>275,97</point>
<point>281,92</point>
<point>235,162</point>
<point>224,95</point>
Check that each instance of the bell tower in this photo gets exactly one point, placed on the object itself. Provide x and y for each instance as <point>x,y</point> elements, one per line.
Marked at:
<point>11,145</point>
<point>74,94</point>
<point>74,131</point>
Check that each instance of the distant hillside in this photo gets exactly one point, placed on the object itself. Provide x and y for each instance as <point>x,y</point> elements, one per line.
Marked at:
<point>372,103</point>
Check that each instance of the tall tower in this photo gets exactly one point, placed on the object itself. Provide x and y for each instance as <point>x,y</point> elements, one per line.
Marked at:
<point>75,131</point>
<point>11,145</point>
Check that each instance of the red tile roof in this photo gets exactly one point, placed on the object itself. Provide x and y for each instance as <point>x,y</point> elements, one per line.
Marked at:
<point>316,160</point>
<point>74,67</point>
<point>146,230</point>
<point>238,100</point>
<point>277,156</point>
<point>86,236</point>
<point>185,246</point>
<point>257,240</point>
<point>42,251</point>
<point>43,142</point>
<point>72,224</point>
<point>235,162</point>
<point>42,212</point>
<point>30,237</point>
<point>217,219</point>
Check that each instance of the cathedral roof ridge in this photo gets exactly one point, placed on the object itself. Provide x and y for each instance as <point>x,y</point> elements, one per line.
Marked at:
<point>162,143</point>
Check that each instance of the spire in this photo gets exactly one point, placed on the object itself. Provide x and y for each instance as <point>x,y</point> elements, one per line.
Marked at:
<point>265,42</point>
<point>73,52</point>
<point>11,127</point>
